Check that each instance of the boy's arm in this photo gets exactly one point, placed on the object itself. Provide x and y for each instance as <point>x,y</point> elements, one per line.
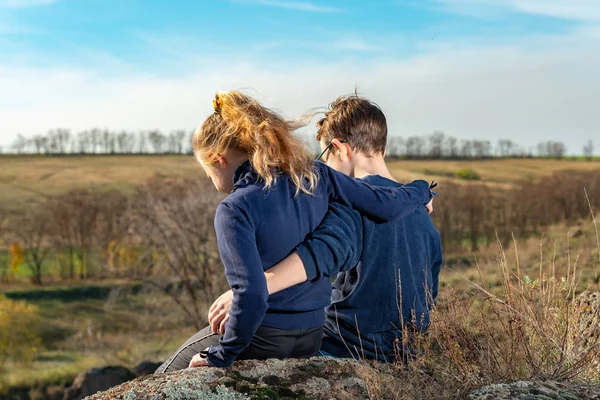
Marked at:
<point>336,245</point>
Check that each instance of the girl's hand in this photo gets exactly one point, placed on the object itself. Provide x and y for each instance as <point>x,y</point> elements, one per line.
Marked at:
<point>218,314</point>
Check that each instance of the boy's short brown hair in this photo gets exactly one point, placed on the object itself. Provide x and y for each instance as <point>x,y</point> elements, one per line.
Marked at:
<point>357,120</point>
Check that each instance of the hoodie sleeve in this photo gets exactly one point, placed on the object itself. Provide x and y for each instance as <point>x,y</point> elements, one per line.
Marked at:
<point>381,204</point>
<point>243,269</point>
<point>336,244</point>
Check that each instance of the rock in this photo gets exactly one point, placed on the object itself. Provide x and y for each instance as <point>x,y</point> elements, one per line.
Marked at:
<point>537,391</point>
<point>55,392</point>
<point>316,378</point>
<point>96,380</point>
<point>146,368</point>
<point>587,318</point>
<point>584,331</point>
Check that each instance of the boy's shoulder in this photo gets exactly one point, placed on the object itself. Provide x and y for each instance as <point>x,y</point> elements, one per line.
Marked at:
<point>378,180</point>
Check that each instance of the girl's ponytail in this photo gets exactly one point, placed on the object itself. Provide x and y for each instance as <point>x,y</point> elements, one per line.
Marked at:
<point>241,123</point>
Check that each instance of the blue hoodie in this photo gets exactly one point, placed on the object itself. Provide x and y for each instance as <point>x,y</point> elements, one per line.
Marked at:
<point>388,276</point>
<point>257,228</point>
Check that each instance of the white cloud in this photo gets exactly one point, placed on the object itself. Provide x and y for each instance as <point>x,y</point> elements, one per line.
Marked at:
<point>488,92</point>
<point>579,10</point>
<point>292,5</point>
<point>24,3</point>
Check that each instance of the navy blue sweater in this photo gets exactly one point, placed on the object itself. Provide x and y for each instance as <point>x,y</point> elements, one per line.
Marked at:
<point>257,228</point>
<point>383,268</point>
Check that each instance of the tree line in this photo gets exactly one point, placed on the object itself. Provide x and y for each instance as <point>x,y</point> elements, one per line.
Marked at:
<point>162,234</point>
<point>164,229</point>
<point>438,145</point>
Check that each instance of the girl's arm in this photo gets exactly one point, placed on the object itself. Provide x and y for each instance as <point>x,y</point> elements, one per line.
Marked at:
<point>378,203</point>
<point>244,272</point>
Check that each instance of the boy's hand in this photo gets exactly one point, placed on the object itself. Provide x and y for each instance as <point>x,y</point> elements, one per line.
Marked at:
<point>218,315</point>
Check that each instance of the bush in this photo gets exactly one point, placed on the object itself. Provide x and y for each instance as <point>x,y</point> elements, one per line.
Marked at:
<point>19,340</point>
<point>538,327</point>
<point>468,174</point>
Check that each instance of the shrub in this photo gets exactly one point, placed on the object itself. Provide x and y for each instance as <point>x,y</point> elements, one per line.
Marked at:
<point>18,331</point>
<point>468,174</point>
<point>538,327</point>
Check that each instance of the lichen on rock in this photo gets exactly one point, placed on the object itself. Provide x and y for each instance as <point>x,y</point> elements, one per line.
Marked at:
<point>303,379</point>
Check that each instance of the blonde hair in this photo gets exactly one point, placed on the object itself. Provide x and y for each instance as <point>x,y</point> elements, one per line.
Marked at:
<point>241,123</point>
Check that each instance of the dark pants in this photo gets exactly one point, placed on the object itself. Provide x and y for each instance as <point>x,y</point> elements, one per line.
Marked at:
<point>266,343</point>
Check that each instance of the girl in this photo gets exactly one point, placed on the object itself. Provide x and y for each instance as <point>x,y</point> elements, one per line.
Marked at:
<point>277,195</point>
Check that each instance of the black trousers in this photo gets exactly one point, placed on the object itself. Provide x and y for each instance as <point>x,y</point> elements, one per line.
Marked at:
<point>266,343</point>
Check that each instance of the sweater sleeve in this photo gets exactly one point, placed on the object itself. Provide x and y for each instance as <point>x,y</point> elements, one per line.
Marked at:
<point>336,244</point>
<point>244,272</point>
<point>378,203</point>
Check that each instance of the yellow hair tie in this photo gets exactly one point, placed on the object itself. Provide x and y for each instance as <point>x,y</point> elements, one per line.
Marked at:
<point>217,105</point>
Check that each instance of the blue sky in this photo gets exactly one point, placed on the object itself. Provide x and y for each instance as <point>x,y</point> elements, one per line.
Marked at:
<point>520,69</point>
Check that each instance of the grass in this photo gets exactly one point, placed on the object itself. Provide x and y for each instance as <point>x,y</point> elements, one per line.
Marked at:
<point>23,179</point>
<point>558,244</point>
<point>49,368</point>
<point>85,326</point>
<point>515,314</point>
<point>78,332</point>
<point>496,172</point>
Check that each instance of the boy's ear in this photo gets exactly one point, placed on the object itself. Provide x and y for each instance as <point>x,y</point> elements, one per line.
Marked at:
<point>343,149</point>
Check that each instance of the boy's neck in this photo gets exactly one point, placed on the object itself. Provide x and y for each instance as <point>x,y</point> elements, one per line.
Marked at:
<point>370,165</point>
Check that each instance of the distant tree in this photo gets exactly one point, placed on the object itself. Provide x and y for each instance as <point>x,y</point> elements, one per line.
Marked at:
<point>142,142</point>
<point>83,141</point>
<point>551,149</point>
<point>558,150</point>
<point>157,141</point>
<point>16,257</point>
<point>40,143</point>
<point>478,148</point>
<point>108,142</point>
<point>190,137</point>
<point>394,146</point>
<point>32,230</point>
<point>176,141</point>
<point>414,146</point>
<point>75,217</point>
<point>466,149</point>
<point>59,140</point>
<point>505,147</point>
<point>588,150</point>
<point>174,224</point>
<point>20,144</point>
<point>436,142</point>
<point>125,142</point>
<point>452,146</point>
<point>95,136</point>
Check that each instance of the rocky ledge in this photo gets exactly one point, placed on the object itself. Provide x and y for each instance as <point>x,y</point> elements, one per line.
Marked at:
<point>537,391</point>
<point>316,378</point>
